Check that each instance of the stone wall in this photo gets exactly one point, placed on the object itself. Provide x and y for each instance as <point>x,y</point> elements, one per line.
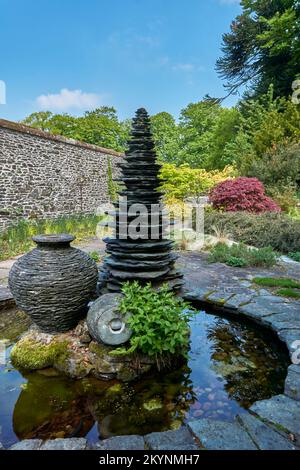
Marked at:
<point>46,176</point>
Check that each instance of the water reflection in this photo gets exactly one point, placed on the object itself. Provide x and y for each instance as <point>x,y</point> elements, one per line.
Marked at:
<point>230,366</point>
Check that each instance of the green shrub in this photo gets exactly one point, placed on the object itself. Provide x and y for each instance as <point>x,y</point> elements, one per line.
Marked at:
<point>236,262</point>
<point>295,256</point>
<point>240,255</point>
<point>95,256</point>
<point>277,230</point>
<point>159,321</point>
<point>280,166</point>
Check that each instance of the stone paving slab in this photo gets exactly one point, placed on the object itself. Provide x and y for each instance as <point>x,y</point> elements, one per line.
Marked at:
<point>27,444</point>
<point>292,383</point>
<point>65,444</point>
<point>282,411</point>
<point>221,435</point>
<point>181,439</point>
<point>6,298</point>
<point>264,437</point>
<point>132,442</point>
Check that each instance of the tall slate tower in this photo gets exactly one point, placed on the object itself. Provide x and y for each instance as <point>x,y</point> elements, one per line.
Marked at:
<point>144,254</point>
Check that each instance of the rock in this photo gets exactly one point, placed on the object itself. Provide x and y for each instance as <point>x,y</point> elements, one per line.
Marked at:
<point>74,443</point>
<point>27,444</point>
<point>292,383</point>
<point>281,411</point>
<point>132,442</point>
<point>105,323</point>
<point>221,435</point>
<point>6,298</point>
<point>180,439</point>
<point>264,437</point>
<point>1,447</point>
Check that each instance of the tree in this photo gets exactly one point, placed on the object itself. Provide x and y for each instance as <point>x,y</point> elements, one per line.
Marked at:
<point>262,47</point>
<point>196,126</point>
<point>99,127</point>
<point>166,136</point>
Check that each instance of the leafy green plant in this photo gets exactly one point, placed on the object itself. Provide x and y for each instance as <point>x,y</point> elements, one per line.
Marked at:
<point>95,256</point>
<point>159,321</point>
<point>239,255</point>
<point>295,256</point>
<point>236,262</point>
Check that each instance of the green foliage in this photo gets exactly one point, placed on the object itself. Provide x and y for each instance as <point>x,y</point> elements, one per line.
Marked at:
<point>17,238</point>
<point>236,262</point>
<point>99,127</point>
<point>262,47</point>
<point>277,282</point>
<point>241,256</point>
<point>289,293</point>
<point>295,256</point>
<point>159,321</point>
<point>95,256</point>
<point>112,185</point>
<point>166,137</point>
<point>277,230</point>
<point>179,183</point>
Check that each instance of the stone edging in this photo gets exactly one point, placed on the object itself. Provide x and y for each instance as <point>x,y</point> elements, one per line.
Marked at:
<point>272,424</point>
<point>282,412</point>
<point>16,127</point>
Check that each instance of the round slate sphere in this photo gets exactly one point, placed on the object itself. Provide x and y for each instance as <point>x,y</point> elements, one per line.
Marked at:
<point>105,323</point>
<point>54,283</point>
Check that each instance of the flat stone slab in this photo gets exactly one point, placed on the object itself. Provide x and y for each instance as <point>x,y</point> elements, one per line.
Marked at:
<point>65,444</point>
<point>264,437</point>
<point>221,435</point>
<point>6,298</point>
<point>121,443</point>
<point>27,444</point>
<point>292,382</point>
<point>181,439</point>
<point>281,411</point>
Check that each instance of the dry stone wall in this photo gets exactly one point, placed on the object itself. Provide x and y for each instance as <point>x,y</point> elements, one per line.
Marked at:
<point>47,176</point>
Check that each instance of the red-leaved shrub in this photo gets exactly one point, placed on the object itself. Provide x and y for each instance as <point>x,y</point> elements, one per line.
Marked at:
<point>242,194</point>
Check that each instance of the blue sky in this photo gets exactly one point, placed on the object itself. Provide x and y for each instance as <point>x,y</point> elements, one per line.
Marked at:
<point>72,55</point>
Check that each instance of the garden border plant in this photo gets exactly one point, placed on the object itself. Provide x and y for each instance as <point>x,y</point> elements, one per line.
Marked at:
<point>159,322</point>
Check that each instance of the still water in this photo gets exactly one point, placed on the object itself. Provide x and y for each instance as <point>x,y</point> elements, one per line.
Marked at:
<point>230,366</point>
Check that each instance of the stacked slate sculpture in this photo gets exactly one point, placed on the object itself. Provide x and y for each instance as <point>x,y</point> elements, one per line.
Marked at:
<point>147,257</point>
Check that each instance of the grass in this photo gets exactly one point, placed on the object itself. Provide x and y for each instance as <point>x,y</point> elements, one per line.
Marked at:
<point>289,286</point>
<point>289,293</point>
<point>17,238</point>
<point>277,282</point>
<point>239,255</point>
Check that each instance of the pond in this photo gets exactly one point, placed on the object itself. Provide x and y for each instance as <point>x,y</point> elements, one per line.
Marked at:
<point>230,365</point>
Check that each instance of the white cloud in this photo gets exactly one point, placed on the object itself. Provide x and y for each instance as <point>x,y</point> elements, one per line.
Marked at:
<point>230,2</point>
<point>184,67</point>
<point>68,99</point>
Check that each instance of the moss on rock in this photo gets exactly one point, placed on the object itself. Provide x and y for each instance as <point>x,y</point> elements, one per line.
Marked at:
<point>32,355</point>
